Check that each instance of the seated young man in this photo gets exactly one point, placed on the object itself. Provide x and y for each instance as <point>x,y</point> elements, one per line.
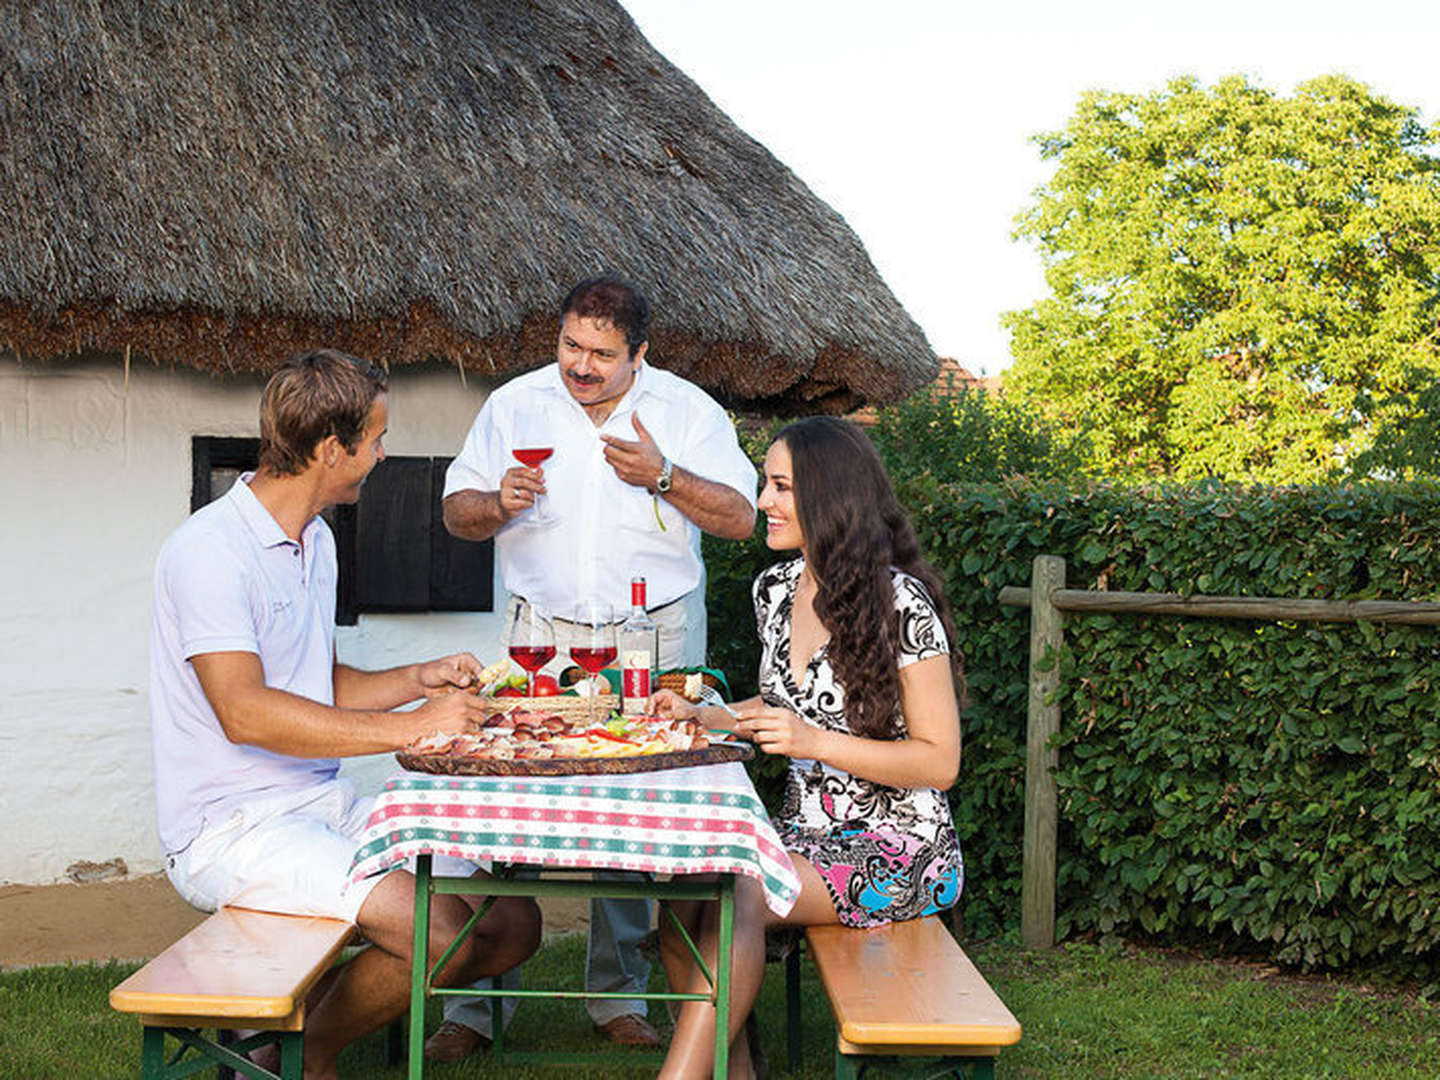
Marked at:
<point>251,711</point>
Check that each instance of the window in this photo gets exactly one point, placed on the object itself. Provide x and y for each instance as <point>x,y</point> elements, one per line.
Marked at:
<point>393,550</point>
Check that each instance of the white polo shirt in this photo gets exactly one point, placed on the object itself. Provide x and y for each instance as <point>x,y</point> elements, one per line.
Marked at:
<point>230,580</point>
<point>604,530</point>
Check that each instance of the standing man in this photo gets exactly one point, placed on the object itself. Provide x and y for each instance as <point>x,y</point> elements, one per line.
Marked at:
<point>643,463</point>
<point>250,709</point>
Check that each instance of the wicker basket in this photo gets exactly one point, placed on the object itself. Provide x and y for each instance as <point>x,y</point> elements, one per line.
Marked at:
<point>570,706</point>
<point>668,680</point>
<point>675,680</point>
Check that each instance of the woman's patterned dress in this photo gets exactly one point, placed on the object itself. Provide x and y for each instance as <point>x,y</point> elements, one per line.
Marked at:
<point>886,853</point>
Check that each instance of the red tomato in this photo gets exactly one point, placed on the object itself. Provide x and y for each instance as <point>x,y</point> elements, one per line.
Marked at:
<point>509,691</point>
<point>546,686</point>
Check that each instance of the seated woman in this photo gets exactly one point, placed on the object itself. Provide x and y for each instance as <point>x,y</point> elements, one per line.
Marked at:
<point>859,688</point>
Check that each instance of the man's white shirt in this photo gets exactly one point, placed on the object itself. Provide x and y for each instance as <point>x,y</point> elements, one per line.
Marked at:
<point>230,580</point>
<point>602,531</point>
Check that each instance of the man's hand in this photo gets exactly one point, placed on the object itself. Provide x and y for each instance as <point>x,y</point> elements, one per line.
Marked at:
<point>448,674</point>
<point>708,504</point>
<point>637,462</point>
<point>450,713</point>
<point>519,488</point>
<point>479,515</point>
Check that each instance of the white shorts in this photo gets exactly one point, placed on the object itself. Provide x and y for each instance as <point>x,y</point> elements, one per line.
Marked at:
<point>288,853</point>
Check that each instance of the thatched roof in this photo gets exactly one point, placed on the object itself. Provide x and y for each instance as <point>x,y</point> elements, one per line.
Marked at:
<point>217,184</point>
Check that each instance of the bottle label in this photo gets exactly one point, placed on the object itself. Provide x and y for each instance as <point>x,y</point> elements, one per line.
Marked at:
<point>635,678</point>
<point>637,593</point>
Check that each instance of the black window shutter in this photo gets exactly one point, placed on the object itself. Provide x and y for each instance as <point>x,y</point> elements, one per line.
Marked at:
<point>392,537</point>
<point>212,453</point>
<point>394,553</point>
<point>404,558</point>
<point>462,572</point>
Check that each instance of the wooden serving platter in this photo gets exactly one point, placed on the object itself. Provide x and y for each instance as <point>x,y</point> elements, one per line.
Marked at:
<point>447,765</point>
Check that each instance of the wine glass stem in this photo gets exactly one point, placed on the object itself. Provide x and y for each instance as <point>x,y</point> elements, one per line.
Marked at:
<point>530,684</point>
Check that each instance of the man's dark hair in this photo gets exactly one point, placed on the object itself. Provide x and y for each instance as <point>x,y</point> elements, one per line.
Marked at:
<point>315,394</point>
<point>610,298</point>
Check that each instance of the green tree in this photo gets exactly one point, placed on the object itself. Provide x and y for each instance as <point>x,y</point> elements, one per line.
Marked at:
<point>1406,442</point>
<point>1242,284</point>
<point>969,436</point>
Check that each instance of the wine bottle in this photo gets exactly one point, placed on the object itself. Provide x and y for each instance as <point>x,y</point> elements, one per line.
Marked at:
<point>638,640</point>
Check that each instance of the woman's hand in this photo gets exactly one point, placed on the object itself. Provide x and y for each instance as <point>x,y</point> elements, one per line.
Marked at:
<point>777,731</point>
<point>670,705</point>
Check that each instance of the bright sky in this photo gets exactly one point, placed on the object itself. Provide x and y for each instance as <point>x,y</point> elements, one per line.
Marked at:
<point>913,118</point>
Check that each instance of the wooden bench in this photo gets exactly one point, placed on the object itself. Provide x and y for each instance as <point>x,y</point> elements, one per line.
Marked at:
<point>237,969</point>
<point>905,998</point>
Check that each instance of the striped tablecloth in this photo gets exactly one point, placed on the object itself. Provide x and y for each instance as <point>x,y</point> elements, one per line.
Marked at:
<point>704,819</point>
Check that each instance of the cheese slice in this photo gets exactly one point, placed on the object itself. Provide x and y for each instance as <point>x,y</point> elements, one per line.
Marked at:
<point>492,673</point>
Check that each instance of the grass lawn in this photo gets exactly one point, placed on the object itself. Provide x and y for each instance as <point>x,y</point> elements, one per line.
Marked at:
<point>1103,1012</point>
<point>1087,1012</point>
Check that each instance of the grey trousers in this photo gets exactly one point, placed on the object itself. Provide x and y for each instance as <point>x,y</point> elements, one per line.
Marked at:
<point>613,963</point>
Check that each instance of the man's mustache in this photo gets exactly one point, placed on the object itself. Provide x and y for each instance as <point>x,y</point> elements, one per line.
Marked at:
<point>588,380</point>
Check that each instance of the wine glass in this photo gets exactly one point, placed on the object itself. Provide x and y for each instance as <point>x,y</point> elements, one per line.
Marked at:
<point>532,641</point>
<point>533,444</point>
<point>594,643</point>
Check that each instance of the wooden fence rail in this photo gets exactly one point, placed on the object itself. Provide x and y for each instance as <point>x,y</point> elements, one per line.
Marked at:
<point>1232,607</point>
<point>1047,598</point>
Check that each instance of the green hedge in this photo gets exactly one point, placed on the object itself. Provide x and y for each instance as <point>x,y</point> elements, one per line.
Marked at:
<point>1271,788</point>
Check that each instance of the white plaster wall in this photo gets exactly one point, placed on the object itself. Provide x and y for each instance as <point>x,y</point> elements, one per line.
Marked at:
<point>93,477</point>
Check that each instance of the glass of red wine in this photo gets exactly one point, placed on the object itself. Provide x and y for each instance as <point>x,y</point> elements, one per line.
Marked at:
<point>533,445</point>
<point>593,645</point>
<point>532,641</point>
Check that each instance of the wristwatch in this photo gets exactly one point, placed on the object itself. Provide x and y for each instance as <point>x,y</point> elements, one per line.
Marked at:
<point>662,485</point>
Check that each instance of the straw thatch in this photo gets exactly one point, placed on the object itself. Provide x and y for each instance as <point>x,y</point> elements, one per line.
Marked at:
<point>218,182</point>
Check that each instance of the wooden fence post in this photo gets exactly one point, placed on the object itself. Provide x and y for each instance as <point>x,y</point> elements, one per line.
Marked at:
<point>1037,892</point>
<point>1047,598</point>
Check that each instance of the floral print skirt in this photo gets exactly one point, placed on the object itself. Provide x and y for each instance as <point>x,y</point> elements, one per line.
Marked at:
<point>876,878</point>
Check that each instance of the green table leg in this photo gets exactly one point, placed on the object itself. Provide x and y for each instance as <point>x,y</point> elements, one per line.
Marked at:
<point>292,1055</point>
<point>152,1054</point>
<point>794,1025</point>
<point>497,1021</point>
<point>722,976</point>
<point>419,965</point>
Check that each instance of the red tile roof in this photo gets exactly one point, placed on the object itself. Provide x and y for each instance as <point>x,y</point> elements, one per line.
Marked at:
<point>952,377</point>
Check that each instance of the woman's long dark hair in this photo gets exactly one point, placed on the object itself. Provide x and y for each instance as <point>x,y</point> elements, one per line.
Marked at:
<point>855,532</point>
